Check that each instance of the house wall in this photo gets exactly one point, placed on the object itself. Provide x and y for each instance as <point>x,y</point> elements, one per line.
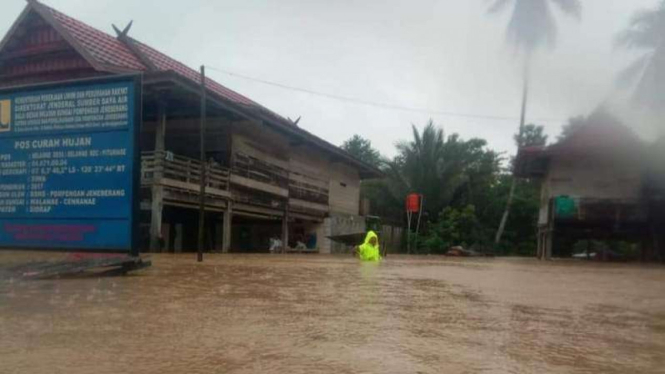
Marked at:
<point>343,181</point>
<point>261,142</point>
<point>597,176</point>
<point>182,137</point>
<point>307,161</point>
<point>344,189</point>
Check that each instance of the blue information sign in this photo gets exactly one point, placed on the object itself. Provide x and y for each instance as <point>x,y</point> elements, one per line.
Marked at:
<point>67,166</point>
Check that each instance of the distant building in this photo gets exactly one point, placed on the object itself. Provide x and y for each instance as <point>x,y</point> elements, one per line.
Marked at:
<point>595,185</point>
<point>268,177</point>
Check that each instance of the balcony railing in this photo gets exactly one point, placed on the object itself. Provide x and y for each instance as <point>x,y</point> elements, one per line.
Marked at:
<point>305,193</point>
<point>182,173</point>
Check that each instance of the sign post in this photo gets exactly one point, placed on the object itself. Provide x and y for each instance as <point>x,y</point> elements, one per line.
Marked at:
<point>414,204</point>
<point>69,165</point>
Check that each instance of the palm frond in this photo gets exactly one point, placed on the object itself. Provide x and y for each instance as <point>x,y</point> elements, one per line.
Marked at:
<point>498,6</point>
<point>570,7</point>
<point>645,30</point>
<point>531,25</point>
<point>650,90</point>
<point>628,76</point>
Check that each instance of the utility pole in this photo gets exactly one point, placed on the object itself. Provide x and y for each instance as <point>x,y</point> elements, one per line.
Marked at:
<point>203,167</point>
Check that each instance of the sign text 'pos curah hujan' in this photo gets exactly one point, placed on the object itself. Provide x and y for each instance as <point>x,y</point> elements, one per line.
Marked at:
<point>68,165</point>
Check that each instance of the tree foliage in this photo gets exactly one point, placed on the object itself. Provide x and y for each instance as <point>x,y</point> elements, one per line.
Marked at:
<point>464,187</point>
<point>532,23</point>
<point>573,125</point>
<point>444,169</point>
<point>455,226</point>
<point>362,149</point>
<point>646,33</point>
<point>532,135</point>
<point>465,191</point>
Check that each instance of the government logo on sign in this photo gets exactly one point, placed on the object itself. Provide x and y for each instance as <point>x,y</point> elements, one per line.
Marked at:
<point>5,115</point>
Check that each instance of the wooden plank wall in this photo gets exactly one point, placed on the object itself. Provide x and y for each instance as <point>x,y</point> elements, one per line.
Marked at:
<point>595,177</point>
<point>589,176</point>
<point>182,137</point>
<point>261,142</point>
<point>307,161</point>
<point>344,189</point>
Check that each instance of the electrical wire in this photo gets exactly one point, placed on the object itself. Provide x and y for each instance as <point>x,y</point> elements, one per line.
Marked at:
<point>374,103</point>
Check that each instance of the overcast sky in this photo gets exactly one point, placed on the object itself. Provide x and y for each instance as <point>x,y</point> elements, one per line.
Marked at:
<point>440,55</point>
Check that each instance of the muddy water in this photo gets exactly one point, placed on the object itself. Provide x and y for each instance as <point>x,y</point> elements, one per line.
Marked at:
<point>318,314</point>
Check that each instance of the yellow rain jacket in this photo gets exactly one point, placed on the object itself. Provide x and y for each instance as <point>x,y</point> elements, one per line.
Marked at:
<point>369,252</point>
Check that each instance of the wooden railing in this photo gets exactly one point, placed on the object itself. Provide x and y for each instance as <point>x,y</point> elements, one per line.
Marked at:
<point>259,170</point>
<point>185,173</point>
<point>308,188</point>
<point>182,170</point>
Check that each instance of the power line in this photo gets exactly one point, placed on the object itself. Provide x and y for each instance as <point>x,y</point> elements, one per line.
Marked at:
<point>374,103</point>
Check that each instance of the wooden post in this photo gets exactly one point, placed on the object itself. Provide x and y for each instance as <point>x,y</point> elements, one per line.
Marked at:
<point>157,187</point>
<point>549,231</point>
<point>549,239</point>
<point>228,220</point>
<point>285,228</point>
<point>203,168</point>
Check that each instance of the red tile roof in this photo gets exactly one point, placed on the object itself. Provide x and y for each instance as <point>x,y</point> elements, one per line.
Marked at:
<point>166,63</point>
<point>108,50</point>
<point>102,47</point>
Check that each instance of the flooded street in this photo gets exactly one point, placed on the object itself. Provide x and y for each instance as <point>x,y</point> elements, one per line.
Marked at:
<point>322,314</point>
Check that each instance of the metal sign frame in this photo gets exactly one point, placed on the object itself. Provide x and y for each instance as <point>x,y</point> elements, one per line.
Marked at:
<point>134,133</point>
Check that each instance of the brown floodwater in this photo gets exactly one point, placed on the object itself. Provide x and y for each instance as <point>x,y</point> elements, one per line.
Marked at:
<point>327,314</point>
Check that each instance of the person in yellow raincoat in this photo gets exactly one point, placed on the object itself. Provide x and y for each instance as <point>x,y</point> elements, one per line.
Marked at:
<point>369,250</point>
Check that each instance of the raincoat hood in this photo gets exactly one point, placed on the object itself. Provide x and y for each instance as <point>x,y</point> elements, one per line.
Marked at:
<point>367,251</point>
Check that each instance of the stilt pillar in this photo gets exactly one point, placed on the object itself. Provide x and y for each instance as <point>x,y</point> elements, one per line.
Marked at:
<point>226,235</point>
<point>157,205</point>
<point>285,228</point>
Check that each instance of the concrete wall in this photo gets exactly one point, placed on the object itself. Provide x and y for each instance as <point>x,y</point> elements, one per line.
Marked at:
<point>338,224</point>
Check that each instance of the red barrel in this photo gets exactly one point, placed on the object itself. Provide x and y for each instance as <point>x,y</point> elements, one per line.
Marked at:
<point>413,203</point>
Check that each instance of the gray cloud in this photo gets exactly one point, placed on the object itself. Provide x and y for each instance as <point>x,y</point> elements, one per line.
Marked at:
<point>447,55</point>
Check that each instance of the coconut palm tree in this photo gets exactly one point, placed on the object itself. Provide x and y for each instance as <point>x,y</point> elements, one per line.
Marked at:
<point>422,166</point>
<point>531,26</point>
<point>646,32</point>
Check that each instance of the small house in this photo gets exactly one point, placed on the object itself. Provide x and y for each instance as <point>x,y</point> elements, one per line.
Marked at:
<point>593,187</point>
